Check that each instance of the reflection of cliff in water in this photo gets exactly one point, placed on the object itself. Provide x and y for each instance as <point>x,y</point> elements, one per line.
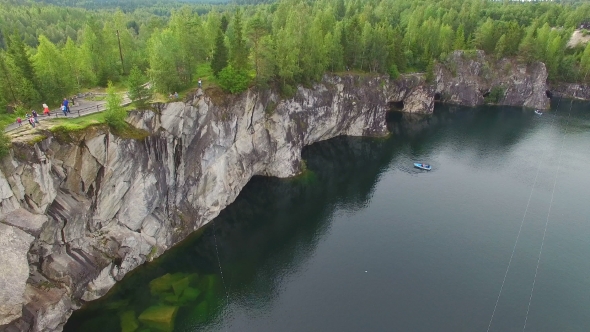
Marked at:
<point>484,131</point>
<point>407,124</point>
<point>275,224</point>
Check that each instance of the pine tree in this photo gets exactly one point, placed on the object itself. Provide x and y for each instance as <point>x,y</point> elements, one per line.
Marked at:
<point>238,49</point>
<point>164,61</point>
<point>209,32</point>
<point>334,50</point>
<point>340,11</point>
<point>57,81</point>
<point>554,55</point>
<point>485,36</point>
<point>398,54</point>
<point>514,35</point>
<point>585,60</point>
<point>287,56</point>
<point>23,74</point>
<point>445,39</point>
<point>219,60</point>
<point>256,31</point>
<point>17,51</point>
<point>114,114</point>
<point>188,30</point>
<point>501,47</point>
<point>353,47</point>
<point>8,90</point>
<point>79,69</point>
<point>224,24</point>
<point>139,92</point>
<point>429,74</point>
<point>527,46</point>
<point>267,63</point>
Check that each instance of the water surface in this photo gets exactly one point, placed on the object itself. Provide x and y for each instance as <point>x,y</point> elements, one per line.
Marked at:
<point>365,242</point>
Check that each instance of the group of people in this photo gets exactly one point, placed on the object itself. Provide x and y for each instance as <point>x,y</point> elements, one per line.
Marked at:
<point>65,106</point>
<point>33,118</point>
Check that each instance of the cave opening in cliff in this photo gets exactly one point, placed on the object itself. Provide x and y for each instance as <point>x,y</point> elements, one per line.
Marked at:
<point>396,105</point>
<point>486,94</point>
<point>394,117</point>
<point>437,96</point>
<point>549,94</point>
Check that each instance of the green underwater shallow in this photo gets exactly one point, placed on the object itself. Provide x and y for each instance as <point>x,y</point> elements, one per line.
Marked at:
<point>162,298</point>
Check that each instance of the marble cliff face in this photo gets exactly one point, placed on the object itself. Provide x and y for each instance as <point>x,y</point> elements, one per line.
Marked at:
<point>467,77</point>
<point>80,210</point>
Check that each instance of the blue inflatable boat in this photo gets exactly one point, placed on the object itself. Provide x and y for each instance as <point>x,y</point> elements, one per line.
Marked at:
<point>423,166</point>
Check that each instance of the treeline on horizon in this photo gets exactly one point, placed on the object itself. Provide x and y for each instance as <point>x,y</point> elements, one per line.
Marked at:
<point>49,51</point>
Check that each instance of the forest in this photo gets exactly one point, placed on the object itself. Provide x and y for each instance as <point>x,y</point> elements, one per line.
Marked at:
<point>54,49</point>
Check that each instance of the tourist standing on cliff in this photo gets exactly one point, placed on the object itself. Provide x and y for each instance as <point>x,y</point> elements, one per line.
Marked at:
<point>66,103</point>
<point>32,122</point>
<point>19,121</point>
<point>45,109</point>
<point>64,109</point>
<point>200,83</point>
<point>35,115</point>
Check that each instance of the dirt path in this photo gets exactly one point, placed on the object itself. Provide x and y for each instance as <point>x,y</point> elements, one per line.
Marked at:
<point>81,108</point>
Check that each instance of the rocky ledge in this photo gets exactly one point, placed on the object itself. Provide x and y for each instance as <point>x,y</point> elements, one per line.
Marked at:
<point>79,210</point>
<point>571,90</point>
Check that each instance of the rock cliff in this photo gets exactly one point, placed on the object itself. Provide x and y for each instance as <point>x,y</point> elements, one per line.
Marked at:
<point>79,210</point>
<point>571,90</point>
<point>471,78</point>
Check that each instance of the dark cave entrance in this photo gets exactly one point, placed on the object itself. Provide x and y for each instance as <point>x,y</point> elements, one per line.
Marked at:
<point>396,105</point>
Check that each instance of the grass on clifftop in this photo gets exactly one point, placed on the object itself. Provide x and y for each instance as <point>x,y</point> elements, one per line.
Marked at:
<point>63,127</point>
<point>76,124</point>
<point>130,132</point>
<point>66,129</point>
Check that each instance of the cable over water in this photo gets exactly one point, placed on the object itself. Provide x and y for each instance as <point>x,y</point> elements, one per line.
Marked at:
<point>548,214</point>
<point>520,228</point>
<point>219,262</point>
<point>549,211</point>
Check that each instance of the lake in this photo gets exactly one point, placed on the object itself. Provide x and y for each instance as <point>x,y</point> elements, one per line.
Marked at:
<point>365,242</point>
